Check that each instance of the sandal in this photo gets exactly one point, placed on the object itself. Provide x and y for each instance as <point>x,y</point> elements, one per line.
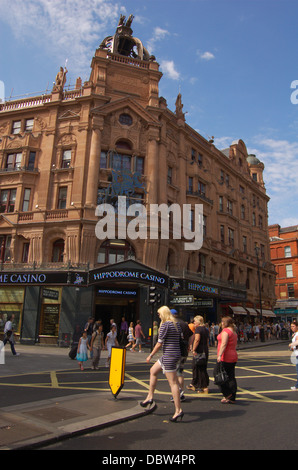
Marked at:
<point>191,387</point>
<point>226,401</point>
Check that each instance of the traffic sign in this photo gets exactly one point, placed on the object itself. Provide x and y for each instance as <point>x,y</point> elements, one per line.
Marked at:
<point>182,300</point>
<point>117,370</point>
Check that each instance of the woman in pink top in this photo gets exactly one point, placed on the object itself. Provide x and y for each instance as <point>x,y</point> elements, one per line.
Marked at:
<point>226,353</point>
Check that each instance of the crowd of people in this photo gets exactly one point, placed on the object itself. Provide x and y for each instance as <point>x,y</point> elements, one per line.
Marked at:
<point>91,341</point>
<point>249,331</point>
<point>173,358</point>
<point>177,338</point>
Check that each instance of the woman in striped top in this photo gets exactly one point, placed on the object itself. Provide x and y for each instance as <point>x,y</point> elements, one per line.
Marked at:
<point>169,339</point>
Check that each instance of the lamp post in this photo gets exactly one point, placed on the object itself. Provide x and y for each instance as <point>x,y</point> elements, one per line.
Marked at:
<point>257,249</point>
<point>262,333</point>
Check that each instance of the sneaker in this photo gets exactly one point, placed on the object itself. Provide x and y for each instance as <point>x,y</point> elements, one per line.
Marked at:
<point>182,396</point>
<point>294,388</point>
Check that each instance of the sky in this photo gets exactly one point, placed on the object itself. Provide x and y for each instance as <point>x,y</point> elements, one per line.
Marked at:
<point>234,62</point>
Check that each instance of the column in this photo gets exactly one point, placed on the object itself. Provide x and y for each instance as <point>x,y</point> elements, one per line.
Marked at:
<point>94,161</point>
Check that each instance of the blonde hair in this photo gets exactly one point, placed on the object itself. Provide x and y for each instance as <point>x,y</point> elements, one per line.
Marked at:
<point>199,319</point>
<point>165,315</point>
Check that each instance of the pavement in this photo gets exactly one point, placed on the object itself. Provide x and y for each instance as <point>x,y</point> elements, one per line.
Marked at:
<point>36,424</point>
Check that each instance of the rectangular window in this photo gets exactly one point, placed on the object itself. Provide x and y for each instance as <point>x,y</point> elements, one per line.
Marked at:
<point>200,159</point>
<point>253,219</point>
<point>170,175</point>
<point>289,270</point>
<point>29,124</point>
<point>140,165</point>
<point>202,263</point>
<point>104,160</point>
<point>262,251</point>
<point>220,204</point>
<point>14,161</point>
<point>5,242</point>
<point>202,188</point>
<point>62,198</point>
<point>230,207</point>
<point>204,226</point>
<point>222,233</point>
<point>101,256</point>
<point>260,221</point>
<point>66,159</point>
<point>291,290</point>
<point>193,155</point>
<point>7,200</point>
<point>16,127</point>
<point>242,212</point>
<point>25,253</point>
<point>121,162</point>
<point>244,242</point>
<point>190,184</point>
<point>191,219</point>
<point>231,237</point>
<point>26,200</point>
<point>288,253</point>
<point>31,161</point>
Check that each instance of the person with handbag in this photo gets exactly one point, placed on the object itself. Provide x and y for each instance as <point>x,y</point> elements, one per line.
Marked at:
<point>169,340</point>
<point>8,335</point>
<point>294,347</point>
<point>227,355</point>
<point>200,377</point>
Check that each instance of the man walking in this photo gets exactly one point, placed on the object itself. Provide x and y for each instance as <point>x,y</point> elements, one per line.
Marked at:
<point>138,335</point>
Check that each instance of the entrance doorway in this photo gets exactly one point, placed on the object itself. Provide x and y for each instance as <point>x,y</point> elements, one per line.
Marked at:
<point>107,308</point>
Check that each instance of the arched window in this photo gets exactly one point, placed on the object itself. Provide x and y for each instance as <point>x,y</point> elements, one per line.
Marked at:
<point>114,251</point>
<point>58,251</point>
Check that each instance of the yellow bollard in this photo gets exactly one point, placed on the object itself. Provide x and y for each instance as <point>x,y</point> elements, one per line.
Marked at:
<point>117,370</point>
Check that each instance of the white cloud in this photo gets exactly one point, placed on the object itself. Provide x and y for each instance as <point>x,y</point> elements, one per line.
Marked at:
<point>223,142</point>
<point>206,55</point>
<point>280,158</point>
<point>158,35</point>
<point>168,67</point>
<point>64,28</point>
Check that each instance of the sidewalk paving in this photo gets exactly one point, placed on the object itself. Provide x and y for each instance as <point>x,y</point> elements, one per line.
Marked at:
<point>35,424</point>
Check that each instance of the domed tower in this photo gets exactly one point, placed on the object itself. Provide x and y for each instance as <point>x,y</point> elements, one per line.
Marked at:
<point>256,168</point>
<point>122,66</point>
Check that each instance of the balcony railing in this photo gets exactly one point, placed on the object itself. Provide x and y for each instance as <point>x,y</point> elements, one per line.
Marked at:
<point>32,101</point>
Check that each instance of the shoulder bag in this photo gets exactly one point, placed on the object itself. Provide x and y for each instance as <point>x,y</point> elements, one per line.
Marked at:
<point>220,375</point>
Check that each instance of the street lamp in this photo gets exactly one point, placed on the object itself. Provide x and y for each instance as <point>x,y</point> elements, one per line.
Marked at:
<point>257,249</point>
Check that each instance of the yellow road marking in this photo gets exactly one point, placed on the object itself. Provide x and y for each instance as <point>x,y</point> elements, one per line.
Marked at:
<point>54,380</point>
<point>134,379</point>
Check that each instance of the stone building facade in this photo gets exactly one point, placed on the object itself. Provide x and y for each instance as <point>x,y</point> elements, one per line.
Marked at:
<point>64,153</point>
<point>284,252</point>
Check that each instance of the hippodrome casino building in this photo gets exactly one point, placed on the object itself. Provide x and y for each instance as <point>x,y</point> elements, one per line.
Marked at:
<point>65,152</point>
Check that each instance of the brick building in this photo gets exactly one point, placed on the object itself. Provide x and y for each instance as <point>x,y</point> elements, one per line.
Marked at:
<point>284,256</point>
<point>63,153</point>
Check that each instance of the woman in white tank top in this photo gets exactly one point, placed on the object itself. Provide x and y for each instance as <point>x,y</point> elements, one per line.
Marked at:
<point>294,347</point>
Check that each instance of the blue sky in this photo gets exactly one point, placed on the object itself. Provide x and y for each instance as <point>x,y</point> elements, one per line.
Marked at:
<point>233,61</point>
